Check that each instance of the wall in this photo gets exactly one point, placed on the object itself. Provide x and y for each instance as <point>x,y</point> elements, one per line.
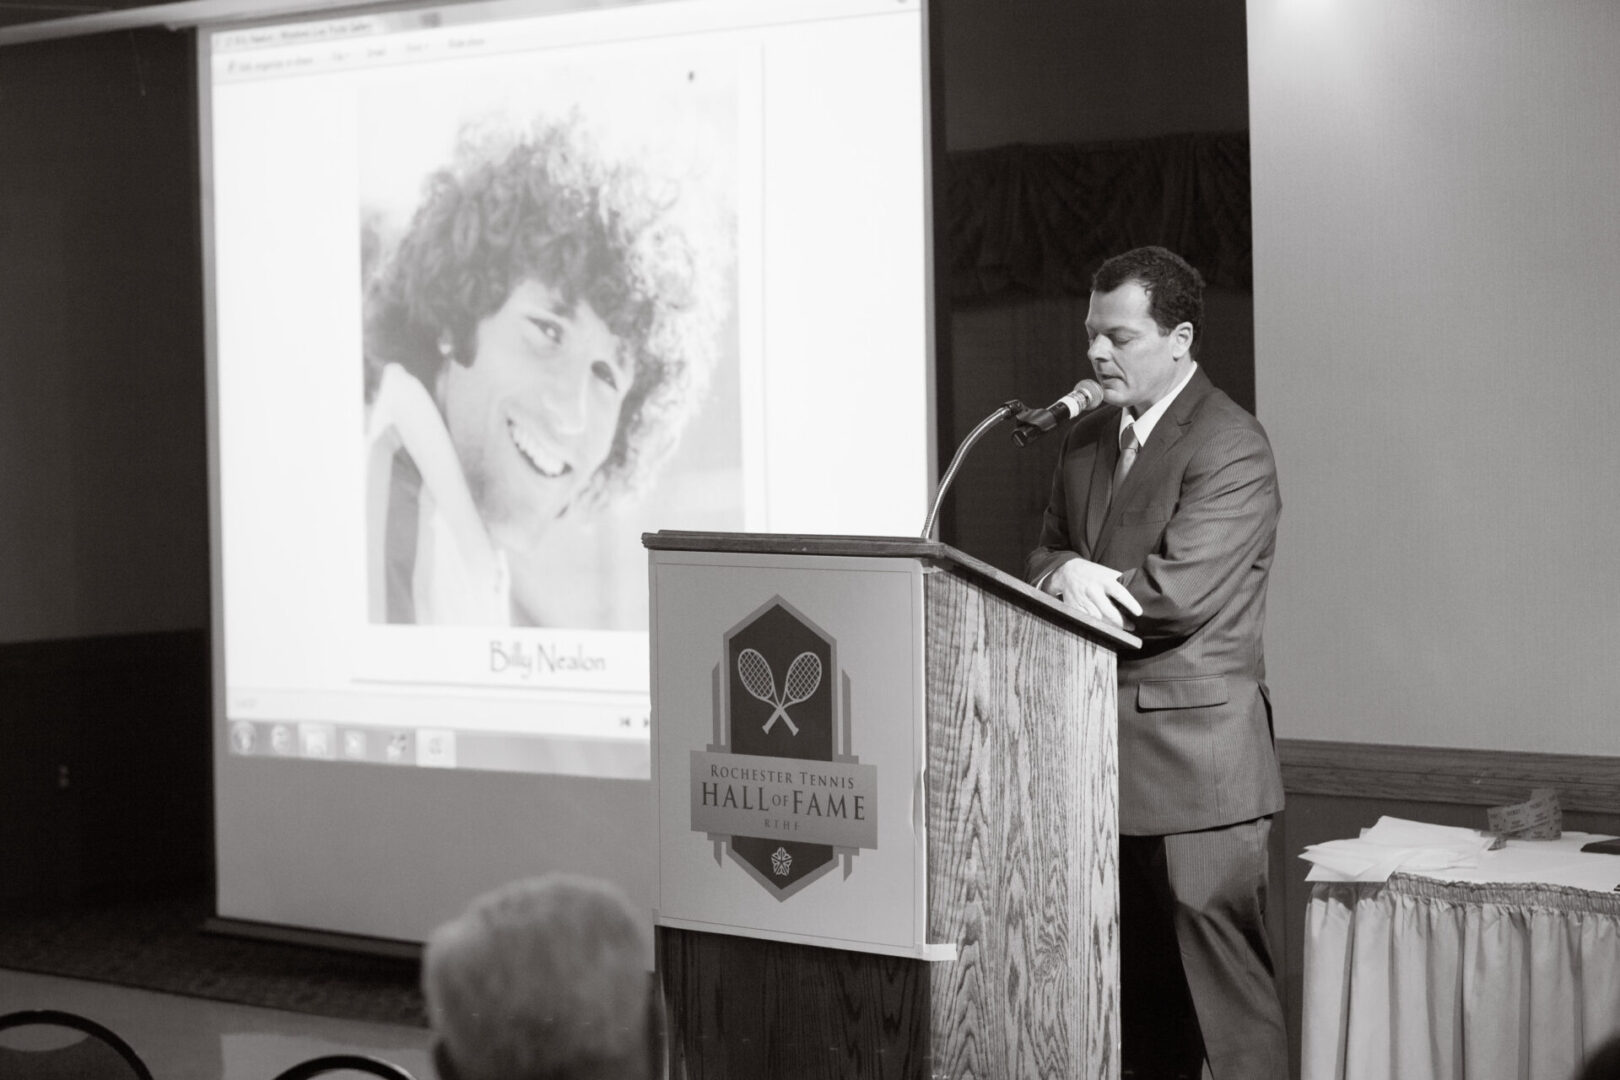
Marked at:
<point>103,460</point>
<point>1054,71</point>
<point>1435,230</point>
<point>1437,240</point>
<point>103,471</point>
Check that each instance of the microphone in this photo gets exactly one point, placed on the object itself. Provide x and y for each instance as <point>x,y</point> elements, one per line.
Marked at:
<point>1033,423</point>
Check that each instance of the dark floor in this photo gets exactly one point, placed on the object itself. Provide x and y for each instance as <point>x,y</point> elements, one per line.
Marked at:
<point>192,1038</point>
<point>203,1006</point>
<point>158,943</point>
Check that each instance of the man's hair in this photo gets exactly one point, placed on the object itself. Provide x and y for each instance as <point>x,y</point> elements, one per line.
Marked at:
<point>542,979</point>
<point>546,204</point>
<point>1174,288</point>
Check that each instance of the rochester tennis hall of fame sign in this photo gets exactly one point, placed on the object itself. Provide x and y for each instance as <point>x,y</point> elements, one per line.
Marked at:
<point>788,748</point>
<point>778,788</point>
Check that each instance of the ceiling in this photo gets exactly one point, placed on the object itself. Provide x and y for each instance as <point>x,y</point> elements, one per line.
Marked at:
<point>17,12</point>
<point>37,20</point>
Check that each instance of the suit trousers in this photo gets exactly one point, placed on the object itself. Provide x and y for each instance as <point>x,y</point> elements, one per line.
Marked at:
<point>1198,995</point>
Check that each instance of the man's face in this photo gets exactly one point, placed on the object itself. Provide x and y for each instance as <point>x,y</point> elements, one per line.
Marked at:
<point>1135,361</point>
<point>534,414</point>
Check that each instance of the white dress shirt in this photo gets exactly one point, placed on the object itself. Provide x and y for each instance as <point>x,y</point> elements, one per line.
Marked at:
<point>1145,423</point>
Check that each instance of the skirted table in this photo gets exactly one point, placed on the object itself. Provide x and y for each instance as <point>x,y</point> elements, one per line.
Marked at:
<point>1422,978</point>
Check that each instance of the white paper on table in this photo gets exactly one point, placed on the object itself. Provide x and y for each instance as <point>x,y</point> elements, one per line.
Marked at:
<point>1396,844</point>
<point>1549,862</point>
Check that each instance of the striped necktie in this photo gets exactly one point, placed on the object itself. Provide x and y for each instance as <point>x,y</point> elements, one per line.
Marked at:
<point>1128,446</point>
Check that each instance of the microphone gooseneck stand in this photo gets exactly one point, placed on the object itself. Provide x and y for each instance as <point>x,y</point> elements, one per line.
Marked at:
<point>1014,407</point>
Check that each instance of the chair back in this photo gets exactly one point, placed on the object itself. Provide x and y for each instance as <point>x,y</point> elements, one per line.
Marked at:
<point>50,1044</point>
<point>330,1064</point>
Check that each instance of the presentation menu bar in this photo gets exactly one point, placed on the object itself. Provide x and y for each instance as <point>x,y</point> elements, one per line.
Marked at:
<point>626,757</point>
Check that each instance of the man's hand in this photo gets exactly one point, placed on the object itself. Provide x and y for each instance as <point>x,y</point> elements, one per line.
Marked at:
<point>1093,588</point>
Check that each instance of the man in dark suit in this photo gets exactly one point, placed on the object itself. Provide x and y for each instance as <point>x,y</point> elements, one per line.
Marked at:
<point>1163,519</point>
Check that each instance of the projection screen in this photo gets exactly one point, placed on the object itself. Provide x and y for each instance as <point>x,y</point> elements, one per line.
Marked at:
<point>494,288</point>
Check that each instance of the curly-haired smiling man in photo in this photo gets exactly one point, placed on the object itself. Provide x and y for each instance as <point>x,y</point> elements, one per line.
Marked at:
<point>534,344</point>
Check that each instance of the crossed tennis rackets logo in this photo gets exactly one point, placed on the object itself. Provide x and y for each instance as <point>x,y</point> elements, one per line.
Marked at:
<point>803,678</point>
<point>777,666</point>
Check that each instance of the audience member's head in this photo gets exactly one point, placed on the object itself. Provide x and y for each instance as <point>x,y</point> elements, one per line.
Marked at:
<point>1604,1064</point>
<point>543,979</point>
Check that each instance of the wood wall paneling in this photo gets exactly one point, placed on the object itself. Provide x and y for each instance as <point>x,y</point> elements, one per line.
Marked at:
<point>1447,774</point>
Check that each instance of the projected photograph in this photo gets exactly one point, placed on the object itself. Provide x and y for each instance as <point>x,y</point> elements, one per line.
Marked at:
<point>550,348</point>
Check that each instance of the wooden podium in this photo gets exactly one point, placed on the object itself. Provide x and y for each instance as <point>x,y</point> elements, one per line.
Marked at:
<point>885,778</point>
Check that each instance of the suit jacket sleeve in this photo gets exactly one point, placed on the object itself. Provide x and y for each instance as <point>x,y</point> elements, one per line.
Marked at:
<point>1224,524</point>
<point>1056,545</point>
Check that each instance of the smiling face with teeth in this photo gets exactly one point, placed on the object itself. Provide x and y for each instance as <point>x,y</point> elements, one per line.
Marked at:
<point>534,414</point>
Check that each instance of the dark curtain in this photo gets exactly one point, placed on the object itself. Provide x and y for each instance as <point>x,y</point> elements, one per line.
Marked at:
<point>1038,220</point>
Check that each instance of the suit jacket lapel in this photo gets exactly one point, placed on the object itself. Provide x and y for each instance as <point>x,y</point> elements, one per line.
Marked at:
<point>1102,479</point>
<point>1147,473</point>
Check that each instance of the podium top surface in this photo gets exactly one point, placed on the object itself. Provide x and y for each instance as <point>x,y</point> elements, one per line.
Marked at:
<point>896,547</point>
